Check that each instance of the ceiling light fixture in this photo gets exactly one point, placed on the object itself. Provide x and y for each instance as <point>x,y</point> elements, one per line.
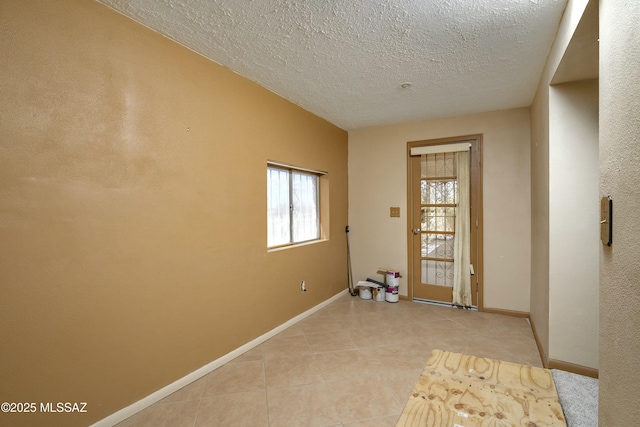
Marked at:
<point>405,85</point>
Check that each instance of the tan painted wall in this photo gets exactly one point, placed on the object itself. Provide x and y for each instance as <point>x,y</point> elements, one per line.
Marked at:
<point>133,210</point>
<point>378,180</point>
<point>620,178</point>
<point>574,232</point>
<point>540,176</point>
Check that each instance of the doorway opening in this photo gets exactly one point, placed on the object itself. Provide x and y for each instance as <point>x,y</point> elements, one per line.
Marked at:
<point>445,221</point>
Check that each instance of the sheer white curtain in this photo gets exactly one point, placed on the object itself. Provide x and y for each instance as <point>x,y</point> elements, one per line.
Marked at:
<point>278,207</point>
<point>462,244</point>
<point>292,206</point>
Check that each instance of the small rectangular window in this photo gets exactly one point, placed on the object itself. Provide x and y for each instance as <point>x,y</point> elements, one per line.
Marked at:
<point>293,205</point>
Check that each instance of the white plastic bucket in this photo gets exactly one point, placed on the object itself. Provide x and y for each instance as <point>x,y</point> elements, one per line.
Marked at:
<point>391,294</point>
<point>365,293</point>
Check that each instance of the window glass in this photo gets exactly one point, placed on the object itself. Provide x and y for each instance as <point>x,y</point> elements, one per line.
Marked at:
<point>278,207</point>
<point>292,206</point>
<point>305,206</point>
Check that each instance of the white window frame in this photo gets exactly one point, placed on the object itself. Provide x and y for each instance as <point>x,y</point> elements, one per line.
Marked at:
<point>291,170</point>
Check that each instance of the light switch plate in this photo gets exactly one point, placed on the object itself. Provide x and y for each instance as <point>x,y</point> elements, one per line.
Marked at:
<point>394,212</point>
<point>606,220</point>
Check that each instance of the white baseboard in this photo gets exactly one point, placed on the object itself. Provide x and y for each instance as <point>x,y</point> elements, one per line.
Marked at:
<point>156,396</point>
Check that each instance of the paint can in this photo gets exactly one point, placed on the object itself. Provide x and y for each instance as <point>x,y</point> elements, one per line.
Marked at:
<point>393,278</point>
<point>393,283</point>
<point>379,294</point>
<point>391,295</point>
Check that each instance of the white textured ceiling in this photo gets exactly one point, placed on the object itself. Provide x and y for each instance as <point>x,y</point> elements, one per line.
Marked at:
<point>344,60</point>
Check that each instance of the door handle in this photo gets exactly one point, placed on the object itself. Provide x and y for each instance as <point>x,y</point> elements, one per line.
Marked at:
<point>416,231</point>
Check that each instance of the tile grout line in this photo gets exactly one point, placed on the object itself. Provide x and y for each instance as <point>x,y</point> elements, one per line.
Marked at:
<point>266,389</point>
<point>195,419</point>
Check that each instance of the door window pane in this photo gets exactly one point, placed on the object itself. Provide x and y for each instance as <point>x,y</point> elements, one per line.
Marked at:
<point>439,192</point>
<point>439,273</point>
<point>437,245</point>
<point>439,198</point>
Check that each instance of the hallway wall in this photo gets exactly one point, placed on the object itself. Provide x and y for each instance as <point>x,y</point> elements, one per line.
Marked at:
<point>540,190</point>
<point>620,178</point>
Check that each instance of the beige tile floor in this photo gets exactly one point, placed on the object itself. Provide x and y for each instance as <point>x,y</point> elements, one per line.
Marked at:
<point>354,363</point>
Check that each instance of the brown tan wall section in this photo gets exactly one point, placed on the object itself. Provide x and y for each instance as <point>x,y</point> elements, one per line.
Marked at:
<point>133,210</point>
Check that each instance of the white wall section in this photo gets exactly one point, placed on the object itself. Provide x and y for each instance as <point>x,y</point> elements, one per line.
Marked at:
<point>540,176</point>
<point>620,178</point>
<point>378,180</point>
<point>574,230</point>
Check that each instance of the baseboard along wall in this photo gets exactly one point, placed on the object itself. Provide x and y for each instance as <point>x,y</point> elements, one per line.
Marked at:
<point>573,368</point>
<point>561,364</point>
<point>158,395</point>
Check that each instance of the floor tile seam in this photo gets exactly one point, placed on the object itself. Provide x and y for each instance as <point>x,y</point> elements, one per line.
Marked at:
<point>233,393</point>
<point>390,345</point>
<point>335,351</point>
<point>195,420</point>
<point>314,352</point>
<point>204,383</point>
<point>324,383</point>
<point>330,351</point>
<point>399,372</point>
<point>384,384</point>
<point>280,387</point>
<point>333,335</point>
<point>341,331</point>
<point>322,373</point>
<point>370,374</point>
<point>161,403</point>
<point>266,391</point>
<point>266,397</point>
<point>370,347</point>
<point>304,333</point>
<point>309,353</point>
<point>427,322</point>
<point>459,323</point>
<point>372,419</point>
<point>283,359</point>
<point>394,372</point>
<point>439,323</point>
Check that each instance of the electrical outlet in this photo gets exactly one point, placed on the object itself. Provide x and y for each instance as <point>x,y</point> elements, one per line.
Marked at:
<point>303,287</point>
<point>394,212</point>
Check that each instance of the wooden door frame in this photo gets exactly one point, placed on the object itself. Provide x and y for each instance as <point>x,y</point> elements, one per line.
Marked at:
<point>476,201</point>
